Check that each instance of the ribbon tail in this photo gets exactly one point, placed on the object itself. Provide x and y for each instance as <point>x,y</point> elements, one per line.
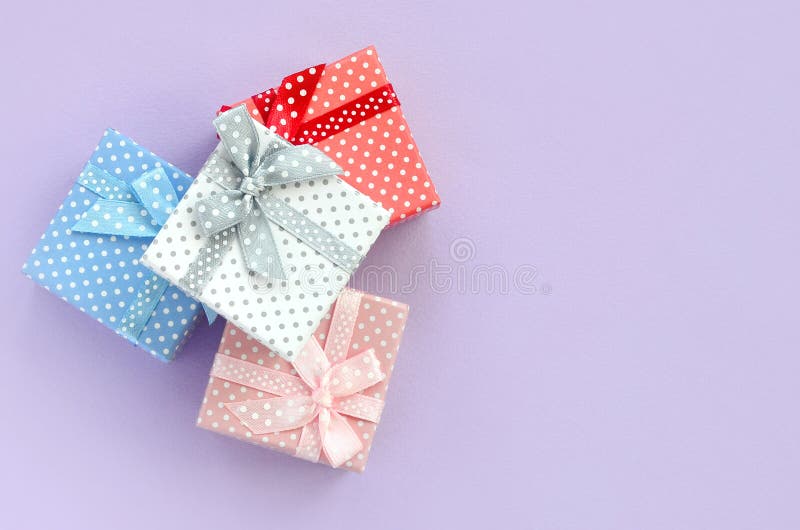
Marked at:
<point>339,440</point>
<point>258,245</point>
<point>220,216</point>
<point>141,308</point>
<point>208,259</point>
<point>310,445</point>
<point>310,233</point>
<point>211,315</point>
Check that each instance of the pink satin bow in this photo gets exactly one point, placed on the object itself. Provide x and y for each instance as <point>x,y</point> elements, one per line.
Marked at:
<point>328,387</point>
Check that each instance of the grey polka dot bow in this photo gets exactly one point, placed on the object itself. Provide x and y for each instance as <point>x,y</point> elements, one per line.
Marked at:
<point>247,205</point>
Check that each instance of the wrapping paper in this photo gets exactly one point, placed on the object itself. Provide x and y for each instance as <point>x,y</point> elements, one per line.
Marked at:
<point>281,313</point>
<point>333,107</point>
<point>379,325</point>
<point>101,274</point>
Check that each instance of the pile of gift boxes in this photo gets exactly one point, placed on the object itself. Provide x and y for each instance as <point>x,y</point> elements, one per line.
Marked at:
<point>305,178</point>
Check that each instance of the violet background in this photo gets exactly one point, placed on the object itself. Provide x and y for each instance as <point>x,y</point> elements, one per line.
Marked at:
<point>643,157</point>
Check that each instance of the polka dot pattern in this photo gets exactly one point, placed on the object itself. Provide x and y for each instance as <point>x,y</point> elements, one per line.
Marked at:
<point>280,313</point>
<point>379,325</point>
<point>104,185</point>
<point>337,120</point>
<point>154,190</point>
<point>380,159</point>
<point>259,377</point>
<point>291,101</point>
<point>258,106</point>
<point>101,274</point>
<point>117,218</point>
<point>318,238</point>
<point>142,306</point>
<point>378,153</point>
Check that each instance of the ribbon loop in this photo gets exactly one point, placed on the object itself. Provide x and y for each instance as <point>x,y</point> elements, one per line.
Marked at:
<point>289,102</point>
<point>274,414</point>
<point>312,363</point>
<point>155,192</point>
<point>116,218</point>
<point>138,210</point>
<point>295,163</point>
<point>360,406</point>
<point>240,138</point>
<point>355,374</point>
<point>104,185</point>
<point>224,210</point>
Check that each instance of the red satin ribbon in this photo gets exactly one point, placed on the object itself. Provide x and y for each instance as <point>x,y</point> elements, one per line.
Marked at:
<point>379,100</point>
<point>284,108</point>
<point>258,105</point>
<point>291,101</point>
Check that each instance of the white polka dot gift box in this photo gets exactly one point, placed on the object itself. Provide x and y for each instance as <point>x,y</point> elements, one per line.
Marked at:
<point>267,235</point>
<point>350,111</point>
<point>325,405</point>
<point>89,255</point>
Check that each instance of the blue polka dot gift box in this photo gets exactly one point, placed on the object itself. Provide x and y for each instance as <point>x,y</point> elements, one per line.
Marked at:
<point>89,255</point>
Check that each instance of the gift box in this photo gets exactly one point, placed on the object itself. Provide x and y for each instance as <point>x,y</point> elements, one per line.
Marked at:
<point>350,111</point>
<point>266,235</point>
<point>325,405</point>
<point>89,255</point>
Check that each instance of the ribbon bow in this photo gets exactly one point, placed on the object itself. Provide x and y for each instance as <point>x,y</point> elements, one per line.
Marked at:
<point>261,161</point>
<point>326,389</point>
<point>138,209</point>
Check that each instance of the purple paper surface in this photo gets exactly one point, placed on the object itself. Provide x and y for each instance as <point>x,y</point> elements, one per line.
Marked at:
<point>603,330</point>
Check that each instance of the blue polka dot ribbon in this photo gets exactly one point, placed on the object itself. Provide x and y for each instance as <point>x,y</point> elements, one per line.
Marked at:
<point>135,210</point>
<point>141,307</point>
<point>245,206</point>
<point>138,209</point>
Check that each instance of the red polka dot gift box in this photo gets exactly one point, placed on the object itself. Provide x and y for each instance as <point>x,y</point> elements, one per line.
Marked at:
<point>350,111</point>
<point>325,405</point>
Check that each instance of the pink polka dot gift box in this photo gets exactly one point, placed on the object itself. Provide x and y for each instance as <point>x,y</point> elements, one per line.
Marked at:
<point>89,256</point>
<point>267,235</point>
<point>350,111</point>
<point>325,405</point>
